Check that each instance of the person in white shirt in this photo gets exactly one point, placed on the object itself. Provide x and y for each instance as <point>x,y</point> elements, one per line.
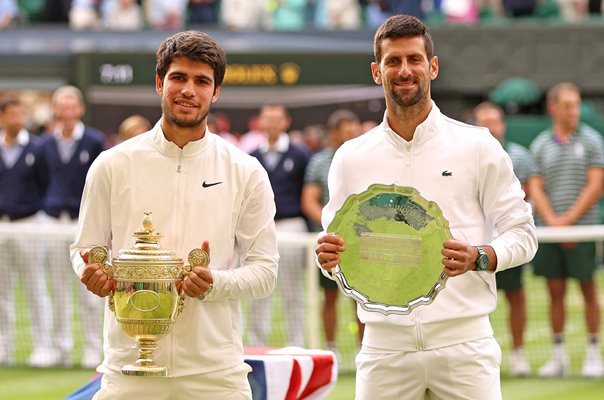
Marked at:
<point>203,191</point>
<point>445,350</point>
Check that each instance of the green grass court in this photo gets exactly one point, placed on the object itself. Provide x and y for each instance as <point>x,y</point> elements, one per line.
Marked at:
<point>20,382</point>
<point>54,384</point>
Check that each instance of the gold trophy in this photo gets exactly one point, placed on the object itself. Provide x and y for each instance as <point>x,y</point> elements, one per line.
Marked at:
<point>147,297</point>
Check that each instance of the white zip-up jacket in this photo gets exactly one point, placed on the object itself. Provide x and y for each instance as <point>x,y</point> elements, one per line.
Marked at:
<point>208,190</point>
<point>469,175</point>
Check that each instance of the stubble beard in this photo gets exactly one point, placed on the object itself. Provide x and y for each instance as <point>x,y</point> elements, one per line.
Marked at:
<point>181,122</point>
<point>407,101</point>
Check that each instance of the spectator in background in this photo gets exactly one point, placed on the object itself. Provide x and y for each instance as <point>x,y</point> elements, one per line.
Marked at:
<point>220,124</point>
<point>409,7</point>
<point>573,11</point>
<point>368,125</point>
<point>133,126</point>
<point>165,15</point>
<point>83,15</point>
<point>492,7</point>
<point>245,15</point>
<point>296,136</point>
<point>460,11</point>
<point>314,137</point>
<point>56,11</point>
<point>23,183</point>
<point>565,191</point>
<point>338,14</point>
<point>374,12</point>
<point>122,15</point>
<point>251,140</point>
<point>342,125</point>
<point>490,115</point>
<point>9,10</point>
<point>595,7</point>
<point>519,8</point>
<point>67,153</point>
<point>203,12</point>
<point>285,163</point>
<point>288,15</point>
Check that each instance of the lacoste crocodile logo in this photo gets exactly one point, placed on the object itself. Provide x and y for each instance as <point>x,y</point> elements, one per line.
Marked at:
<point>447,173</point>
<point>207,185</point>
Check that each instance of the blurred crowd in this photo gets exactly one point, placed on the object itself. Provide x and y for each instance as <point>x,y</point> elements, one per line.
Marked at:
<point>46,172</point>
<point>280,15</point>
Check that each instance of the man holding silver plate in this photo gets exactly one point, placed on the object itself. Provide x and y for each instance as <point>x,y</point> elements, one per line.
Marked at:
<point>202,191</point>
<point>410,221</point>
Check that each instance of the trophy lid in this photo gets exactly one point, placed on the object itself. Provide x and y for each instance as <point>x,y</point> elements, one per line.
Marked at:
<point>147,247</point>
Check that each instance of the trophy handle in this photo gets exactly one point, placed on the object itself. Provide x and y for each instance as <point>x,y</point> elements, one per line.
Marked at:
<point>198,257</point>
<point>99,255</point>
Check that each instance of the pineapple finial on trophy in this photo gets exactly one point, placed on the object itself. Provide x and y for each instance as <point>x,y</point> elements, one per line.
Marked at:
<point>147,222</point>
<point>147,236</point>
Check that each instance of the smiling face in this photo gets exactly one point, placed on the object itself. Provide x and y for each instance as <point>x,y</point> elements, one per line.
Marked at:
<point>187,93</point>
<point>405,72</point>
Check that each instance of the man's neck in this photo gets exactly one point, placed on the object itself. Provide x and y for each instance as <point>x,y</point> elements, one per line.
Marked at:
<point>564,131</point>
<point>404,120</point>
<point>181,136</point>
<point>273,139</point>
<point>67,129</point>
<point>10,137</point>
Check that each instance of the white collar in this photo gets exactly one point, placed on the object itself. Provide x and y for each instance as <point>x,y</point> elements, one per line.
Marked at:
<point>22,137</point>
<point>423,131</point>
<point>281,146</point>
<point>78,132</point>
<point>170,148</point>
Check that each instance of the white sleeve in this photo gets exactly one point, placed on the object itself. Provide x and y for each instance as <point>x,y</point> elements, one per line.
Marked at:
<point>257,243</point>
<point>503,203</point>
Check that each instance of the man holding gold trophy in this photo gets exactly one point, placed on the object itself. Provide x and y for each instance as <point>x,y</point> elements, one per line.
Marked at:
<point>419,192</point>
<point>198,190</point>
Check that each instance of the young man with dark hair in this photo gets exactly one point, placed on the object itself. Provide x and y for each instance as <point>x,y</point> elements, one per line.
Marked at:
<point>203,191</point>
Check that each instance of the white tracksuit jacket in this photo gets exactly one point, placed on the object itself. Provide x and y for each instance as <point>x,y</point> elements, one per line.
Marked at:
<point>479,197</point>
<point>236,216</point>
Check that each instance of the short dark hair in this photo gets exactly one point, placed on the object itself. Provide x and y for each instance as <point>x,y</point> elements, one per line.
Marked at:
<point>7,102</point>
<point>399,26</point>
<point>194,45</point>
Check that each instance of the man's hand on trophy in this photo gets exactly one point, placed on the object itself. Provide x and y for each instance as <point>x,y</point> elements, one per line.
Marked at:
<point>94,278</point>
<point>199,281</point>
<point>329,249</point>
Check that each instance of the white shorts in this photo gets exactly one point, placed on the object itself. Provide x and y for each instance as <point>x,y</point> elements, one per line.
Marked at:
<point>230,384</point>
<point>467,371</point>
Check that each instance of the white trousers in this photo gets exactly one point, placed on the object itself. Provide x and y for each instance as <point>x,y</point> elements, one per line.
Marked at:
<point>467,371</point>
<point>22,259</point>
<point>230,384</point>
<point>291,283</point>
<point>63,279</point>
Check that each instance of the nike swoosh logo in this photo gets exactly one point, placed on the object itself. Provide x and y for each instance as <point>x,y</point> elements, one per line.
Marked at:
<point>207,185</point>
